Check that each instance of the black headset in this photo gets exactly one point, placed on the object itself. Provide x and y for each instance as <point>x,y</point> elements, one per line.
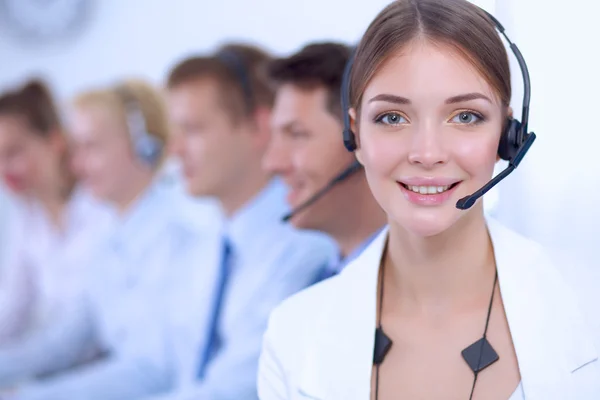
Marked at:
<point>147,148</point>
<point>514,143</point>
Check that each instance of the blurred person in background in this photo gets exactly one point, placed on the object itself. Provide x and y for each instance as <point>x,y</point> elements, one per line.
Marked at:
<point>119,136</point>
<point>220,107</point>
<point>6,217</point>
<point>306,151</point>
<point>53,221</point>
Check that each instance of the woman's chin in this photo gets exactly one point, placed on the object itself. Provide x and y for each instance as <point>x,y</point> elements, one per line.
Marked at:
<point>427,223</point>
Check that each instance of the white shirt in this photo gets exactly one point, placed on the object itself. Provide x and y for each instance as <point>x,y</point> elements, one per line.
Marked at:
<point>125,282</point>
<point>320,342</point>
<point>43,267</point>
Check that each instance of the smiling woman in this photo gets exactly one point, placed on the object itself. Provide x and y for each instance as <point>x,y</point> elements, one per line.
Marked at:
<point>470,310</point>
<point>435,126</point>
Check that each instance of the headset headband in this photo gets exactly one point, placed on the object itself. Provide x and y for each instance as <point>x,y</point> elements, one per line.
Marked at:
<point>147,147</point>
<point>345,95</point>
<point>524,72</point>
<point>136,122</point>
<point>236,65</point>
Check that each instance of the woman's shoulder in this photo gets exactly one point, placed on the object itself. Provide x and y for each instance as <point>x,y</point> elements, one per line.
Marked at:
<point>307,306</point>
<point>582,276</point>
<point>563,276</point>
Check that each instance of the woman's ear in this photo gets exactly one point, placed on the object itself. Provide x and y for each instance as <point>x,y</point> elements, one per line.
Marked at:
<point>509,112</point>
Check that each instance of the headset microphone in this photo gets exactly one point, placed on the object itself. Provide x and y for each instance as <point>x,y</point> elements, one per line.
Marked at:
<point>348,172</point>
<point>345,174</point>
<point>468,201</point>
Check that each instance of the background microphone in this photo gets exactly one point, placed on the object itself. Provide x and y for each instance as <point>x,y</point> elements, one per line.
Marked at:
<point>345,174</point>
<point>467,202</point>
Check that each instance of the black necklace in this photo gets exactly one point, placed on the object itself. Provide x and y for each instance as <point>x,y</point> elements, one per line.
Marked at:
<point>478,356</point>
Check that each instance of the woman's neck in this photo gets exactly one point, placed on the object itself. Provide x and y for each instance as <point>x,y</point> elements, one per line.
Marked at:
<point>453,269</point>
<point>130,196</point>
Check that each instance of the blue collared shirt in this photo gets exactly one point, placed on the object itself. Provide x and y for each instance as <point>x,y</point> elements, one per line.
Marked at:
<point>271,260</point>
<point>126,280</point>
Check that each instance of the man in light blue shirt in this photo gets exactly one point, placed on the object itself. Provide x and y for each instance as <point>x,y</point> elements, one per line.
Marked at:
<point>220,108</point>
<point>307,150</point>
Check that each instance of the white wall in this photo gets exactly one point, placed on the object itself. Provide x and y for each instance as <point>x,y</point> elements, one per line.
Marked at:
<point>554,196</point>
<point>146,37</point>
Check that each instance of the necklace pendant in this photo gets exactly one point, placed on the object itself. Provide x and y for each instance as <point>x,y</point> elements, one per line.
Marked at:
<point>382,345</point>
<point>480,355</point>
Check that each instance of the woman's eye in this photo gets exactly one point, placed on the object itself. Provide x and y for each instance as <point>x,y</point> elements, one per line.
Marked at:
<point>467,118</point>
<point>391,119</point>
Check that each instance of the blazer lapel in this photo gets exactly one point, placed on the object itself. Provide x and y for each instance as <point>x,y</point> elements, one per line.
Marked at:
<point>342,361</point>
<point>549,334</point>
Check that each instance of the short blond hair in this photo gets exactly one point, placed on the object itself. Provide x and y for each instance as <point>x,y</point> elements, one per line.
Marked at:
<point>147,98</point>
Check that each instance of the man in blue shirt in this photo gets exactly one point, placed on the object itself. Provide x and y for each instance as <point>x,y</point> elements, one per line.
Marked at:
<point>220,107</point>
<point>307,150</point>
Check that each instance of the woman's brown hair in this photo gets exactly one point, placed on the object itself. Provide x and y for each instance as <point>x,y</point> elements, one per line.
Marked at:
<point>35,105</point>
<point>456,23</point>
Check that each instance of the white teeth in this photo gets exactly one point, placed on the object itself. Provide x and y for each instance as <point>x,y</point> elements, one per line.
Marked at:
<point>428,189</point>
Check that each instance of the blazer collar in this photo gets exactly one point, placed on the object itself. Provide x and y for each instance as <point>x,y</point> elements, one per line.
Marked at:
<point>547,328</point>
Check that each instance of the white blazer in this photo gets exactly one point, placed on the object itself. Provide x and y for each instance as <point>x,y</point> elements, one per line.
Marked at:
<point>320,343</point>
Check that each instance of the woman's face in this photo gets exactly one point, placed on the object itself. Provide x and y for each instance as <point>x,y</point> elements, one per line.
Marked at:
<point>102,153</point>
<point>428,135</point>
<point>28,161</point>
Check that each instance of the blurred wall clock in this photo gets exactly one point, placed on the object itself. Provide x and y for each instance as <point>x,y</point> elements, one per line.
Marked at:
<point>42,21</point>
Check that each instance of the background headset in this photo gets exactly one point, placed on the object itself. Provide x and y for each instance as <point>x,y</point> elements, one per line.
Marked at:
<point>236,65</point>
<point>147,148</point>
<point>515,141</point>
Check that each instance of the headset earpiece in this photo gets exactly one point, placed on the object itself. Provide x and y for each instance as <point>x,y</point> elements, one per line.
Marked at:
<point>510,140</point>
<point>349,140</point>
<point>148,149</point>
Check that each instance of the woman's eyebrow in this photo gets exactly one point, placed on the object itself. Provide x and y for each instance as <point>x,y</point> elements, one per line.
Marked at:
<point>467,97</point>
<point>390,98</point>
